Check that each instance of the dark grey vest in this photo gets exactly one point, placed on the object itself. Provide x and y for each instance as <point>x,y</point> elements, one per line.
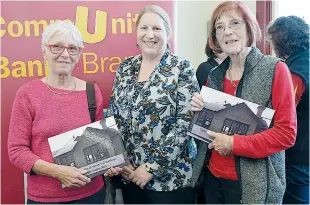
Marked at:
<point>262,180</point>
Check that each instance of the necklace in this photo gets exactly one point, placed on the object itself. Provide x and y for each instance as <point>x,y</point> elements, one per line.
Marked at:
<point>58,93</point>
<point>230,77</point>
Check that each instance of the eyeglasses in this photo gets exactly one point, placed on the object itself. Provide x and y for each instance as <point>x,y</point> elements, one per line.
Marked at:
<point>233,25</point>
<point>58,49</point>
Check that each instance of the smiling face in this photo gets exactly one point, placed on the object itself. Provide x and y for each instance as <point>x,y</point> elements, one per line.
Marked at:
<point>61,63</point>
<point>231,34</point>
<point>151,35</point>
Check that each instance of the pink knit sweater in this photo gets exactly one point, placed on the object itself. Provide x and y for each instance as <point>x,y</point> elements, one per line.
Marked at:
<point>38,114</point>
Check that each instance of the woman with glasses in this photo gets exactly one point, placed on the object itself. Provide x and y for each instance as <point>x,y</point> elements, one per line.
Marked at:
<point>47,107</point>
<point>240,168</point>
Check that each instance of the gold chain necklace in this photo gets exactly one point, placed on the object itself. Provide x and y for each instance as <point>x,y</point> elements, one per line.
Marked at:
<point>53,91</point>
<point>230,76</point>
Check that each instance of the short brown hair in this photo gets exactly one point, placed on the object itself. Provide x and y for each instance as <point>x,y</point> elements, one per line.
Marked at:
<point>234,7</point>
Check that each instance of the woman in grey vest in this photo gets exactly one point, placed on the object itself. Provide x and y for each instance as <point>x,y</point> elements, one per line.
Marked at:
<point>244,168</point>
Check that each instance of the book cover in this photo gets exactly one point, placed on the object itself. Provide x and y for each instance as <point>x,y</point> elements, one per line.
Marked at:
<point>224,113</point>
<point>95,147</point>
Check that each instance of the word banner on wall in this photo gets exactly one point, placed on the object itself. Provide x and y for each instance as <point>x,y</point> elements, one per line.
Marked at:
<point>108,30</point>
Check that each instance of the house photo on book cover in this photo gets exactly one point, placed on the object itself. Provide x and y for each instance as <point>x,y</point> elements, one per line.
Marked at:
<point>95,147</point>
<point>224,113</point>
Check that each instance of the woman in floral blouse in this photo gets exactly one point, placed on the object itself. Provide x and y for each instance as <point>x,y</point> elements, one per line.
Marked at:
<point>150,101</point>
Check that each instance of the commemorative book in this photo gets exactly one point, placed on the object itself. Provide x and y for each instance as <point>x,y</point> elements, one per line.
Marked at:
<point>95,147</point>
<point>224,113</point>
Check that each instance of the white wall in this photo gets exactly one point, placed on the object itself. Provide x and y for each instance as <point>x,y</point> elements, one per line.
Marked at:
<point>298,8</point>
<point>191,27</point>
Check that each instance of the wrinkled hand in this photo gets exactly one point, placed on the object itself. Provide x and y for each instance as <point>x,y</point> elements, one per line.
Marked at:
<point>127,171</point>
<point>71,176</point>
<point>113,171</point>
<point>222,143</point>
<point>140,176</point>
<point>197,102</point>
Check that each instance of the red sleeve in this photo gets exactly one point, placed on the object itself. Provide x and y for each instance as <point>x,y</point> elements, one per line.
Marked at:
<point>283,133</point>
<point>99,102</point>
<point>299,87</point>
<point>19,144</point>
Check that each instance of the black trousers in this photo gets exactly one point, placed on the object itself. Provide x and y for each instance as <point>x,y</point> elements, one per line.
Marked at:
<point>221,191</point>
<point>133,194</point>
<point>97,198</point>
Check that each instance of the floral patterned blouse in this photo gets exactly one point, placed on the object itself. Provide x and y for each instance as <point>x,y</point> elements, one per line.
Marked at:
<point>154,116</point>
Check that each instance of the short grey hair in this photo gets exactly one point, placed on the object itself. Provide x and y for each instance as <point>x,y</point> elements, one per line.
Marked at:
<point>63,28</point>
<point>160,12</point>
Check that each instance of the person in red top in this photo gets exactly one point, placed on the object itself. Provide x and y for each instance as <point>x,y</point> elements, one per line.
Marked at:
<point>47,107</point>
<point>234,30</point>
